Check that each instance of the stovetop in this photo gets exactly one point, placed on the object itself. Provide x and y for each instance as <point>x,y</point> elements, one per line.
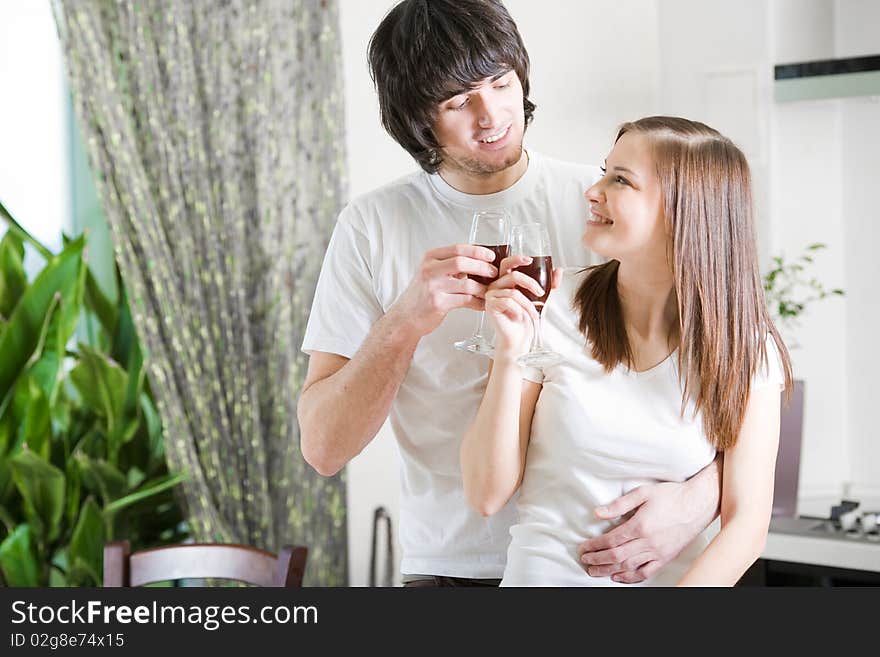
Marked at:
<point>846,522</point>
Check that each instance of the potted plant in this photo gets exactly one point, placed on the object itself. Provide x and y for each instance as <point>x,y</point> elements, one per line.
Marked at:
<point>81,451</point>
<point>789,291</point>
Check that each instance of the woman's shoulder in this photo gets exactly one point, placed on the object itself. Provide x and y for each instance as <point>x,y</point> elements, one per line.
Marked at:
<point>770,370</point>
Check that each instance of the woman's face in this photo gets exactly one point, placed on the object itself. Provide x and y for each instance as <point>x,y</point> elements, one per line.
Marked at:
<point>626,205</point>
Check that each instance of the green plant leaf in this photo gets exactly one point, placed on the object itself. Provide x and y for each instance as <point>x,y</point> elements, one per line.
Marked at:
<point>102,384</point>
<point>134,477</point>
<point>102,478</point>
<point>41,485</point>
<point>17,389</point>
<point>18,559</point>
<point>86,550</point>
<point>8,425</point>
<point>73,488</point>
<point>97,302</point>
<point>59,569</point>
<point>15,227</point>
<point>13,280</point>
<point>125,339</point>
<point>7,487</point>
<point>7,521</point>
<point>147,490</point>
<point>155,444</point>
<point>35,431</point>
<point>22,334</point>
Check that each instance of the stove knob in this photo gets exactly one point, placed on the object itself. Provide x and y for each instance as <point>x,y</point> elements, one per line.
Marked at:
<point>848,520</point>
<point>870,522</point>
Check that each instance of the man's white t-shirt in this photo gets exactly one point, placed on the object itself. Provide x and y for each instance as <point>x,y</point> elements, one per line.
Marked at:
<point>377,246</point>
<point>596,436</point>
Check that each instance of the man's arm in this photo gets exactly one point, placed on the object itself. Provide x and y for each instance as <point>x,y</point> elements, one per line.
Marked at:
<point>666,517</point>
<point>344,402</point>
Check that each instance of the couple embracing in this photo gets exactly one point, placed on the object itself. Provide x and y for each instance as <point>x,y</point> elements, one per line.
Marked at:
<point>607,467</point>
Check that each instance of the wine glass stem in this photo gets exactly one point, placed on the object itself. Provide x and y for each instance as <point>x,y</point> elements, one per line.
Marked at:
<point>537,341</point>
<point>479,333</point>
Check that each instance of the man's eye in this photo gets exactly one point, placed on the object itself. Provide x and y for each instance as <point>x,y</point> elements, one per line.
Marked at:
<point>503,86</point>
<point>461,105</point>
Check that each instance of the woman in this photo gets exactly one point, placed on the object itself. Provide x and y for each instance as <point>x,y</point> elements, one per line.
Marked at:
<point>670,355</point>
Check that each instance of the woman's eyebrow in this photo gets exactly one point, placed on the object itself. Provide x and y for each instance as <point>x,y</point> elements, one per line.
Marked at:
<point>629,171</point>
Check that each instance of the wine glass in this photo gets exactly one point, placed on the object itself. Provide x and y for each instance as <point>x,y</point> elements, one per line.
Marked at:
<point>533,240</point>
<point>489,229</point>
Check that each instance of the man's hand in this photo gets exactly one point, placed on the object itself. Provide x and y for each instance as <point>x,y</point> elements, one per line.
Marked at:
<point>442,284</point>
<point>663,519</point>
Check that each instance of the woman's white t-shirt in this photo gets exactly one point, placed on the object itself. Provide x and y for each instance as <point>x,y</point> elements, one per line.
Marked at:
<point>596,436</point>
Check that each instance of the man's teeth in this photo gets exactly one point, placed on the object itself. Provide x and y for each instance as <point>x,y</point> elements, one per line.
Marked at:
<point>494,138</point>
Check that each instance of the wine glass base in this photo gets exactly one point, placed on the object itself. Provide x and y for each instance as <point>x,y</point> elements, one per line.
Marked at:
<point>542,358</point>
<point>476,345</point>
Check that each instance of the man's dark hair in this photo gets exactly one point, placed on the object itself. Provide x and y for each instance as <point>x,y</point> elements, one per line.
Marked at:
<point>427,51</point>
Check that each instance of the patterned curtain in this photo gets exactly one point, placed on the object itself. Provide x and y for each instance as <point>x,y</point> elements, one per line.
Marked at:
<point>215,131</point>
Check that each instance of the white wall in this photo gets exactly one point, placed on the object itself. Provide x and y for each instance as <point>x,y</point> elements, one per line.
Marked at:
<point>857,33</point>
<point>713,68</point>
<point>594,65</point>
<point>33,143</point>
<point>807,207</point>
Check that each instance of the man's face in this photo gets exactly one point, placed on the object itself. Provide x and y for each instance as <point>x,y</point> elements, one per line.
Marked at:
<point>481,131</point>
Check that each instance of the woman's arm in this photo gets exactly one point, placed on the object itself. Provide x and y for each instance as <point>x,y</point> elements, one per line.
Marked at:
<point>746,496</point>
<point>493,450</point>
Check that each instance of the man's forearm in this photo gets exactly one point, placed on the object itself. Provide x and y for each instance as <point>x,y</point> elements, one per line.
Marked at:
<point>341,414</point>
<point>706,486</point>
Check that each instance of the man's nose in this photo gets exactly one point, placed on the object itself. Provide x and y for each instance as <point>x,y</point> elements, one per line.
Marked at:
<point>489,111</point>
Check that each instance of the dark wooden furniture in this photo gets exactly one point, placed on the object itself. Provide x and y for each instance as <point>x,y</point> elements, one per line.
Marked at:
<point>203,560</point>
<point>769,572</point>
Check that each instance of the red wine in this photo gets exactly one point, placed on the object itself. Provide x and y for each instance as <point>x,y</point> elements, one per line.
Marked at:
<point>541,269</point>
<point>500,251</point>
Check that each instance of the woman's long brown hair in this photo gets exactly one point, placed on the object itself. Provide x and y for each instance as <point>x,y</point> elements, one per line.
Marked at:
<point>722,314</point>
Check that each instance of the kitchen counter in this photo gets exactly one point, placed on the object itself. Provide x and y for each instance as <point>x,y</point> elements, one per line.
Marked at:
<point>805,541</point>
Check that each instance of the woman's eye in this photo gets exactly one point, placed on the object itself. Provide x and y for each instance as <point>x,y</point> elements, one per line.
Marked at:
<point>603,170</point>
<point>621,180</point>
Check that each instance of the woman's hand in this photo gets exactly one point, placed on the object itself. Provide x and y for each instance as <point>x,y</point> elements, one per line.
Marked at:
<point>512,314</point>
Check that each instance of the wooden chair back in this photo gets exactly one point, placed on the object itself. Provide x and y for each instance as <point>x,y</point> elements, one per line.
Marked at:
<point>203,560</point>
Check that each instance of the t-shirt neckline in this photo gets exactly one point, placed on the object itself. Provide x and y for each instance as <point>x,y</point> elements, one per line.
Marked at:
<point>519,190</point>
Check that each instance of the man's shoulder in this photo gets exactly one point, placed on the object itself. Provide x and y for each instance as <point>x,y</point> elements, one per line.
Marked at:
<point>407,188</point>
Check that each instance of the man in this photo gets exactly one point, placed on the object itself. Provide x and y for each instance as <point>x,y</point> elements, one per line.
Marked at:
<point>393,296</point>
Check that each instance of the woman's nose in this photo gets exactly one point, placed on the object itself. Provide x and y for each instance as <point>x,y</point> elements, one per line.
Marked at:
<point>593,194</point>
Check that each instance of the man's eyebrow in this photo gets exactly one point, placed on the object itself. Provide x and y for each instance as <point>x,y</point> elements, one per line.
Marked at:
<point>465,92</point>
